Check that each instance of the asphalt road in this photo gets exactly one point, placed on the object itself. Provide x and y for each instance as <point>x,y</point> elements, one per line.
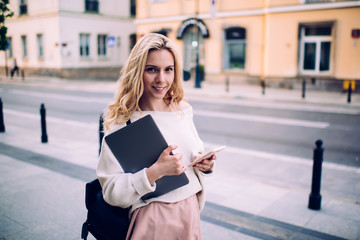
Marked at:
<point>289,132</point>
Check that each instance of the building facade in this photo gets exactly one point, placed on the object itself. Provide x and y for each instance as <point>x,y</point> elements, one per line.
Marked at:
<point>279,42</point>
<point>72,39</point>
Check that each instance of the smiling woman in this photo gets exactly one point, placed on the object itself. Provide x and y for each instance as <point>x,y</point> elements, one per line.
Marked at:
<point>150,84</point>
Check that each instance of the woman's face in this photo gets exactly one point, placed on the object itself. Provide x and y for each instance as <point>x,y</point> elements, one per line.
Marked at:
<point>158,75</point>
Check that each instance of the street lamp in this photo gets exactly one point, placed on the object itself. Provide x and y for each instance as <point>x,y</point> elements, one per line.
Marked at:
<point>197,66</point>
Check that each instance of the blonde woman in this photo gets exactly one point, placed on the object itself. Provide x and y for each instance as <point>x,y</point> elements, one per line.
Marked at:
<point>151,83</point>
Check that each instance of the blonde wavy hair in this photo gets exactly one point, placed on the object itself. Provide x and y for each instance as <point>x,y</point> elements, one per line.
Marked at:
<point>130,86</point>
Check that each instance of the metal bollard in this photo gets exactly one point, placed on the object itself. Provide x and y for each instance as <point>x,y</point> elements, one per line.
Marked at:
<point>315,197</point>
<point>2,125</point>
<point>101,131</point>
<point>349,93</point>
<point>23,75</point>
<point>227,83</point>
<point>263,86</point>
<point>303,88</point>
<point>44,137</point>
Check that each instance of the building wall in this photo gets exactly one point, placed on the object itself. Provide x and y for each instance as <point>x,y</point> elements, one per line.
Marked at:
<point>93,25</point>
<point>283,42</point>
<point>61,22</point>
<point>272,35</point>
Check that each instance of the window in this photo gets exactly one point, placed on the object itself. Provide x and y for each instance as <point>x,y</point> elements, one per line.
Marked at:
<point>92,6</point>
<point>84,45</point>
<point>235,43</point>
<point>9,48</point>
<point>23,7</point>
<point>24,46</point>
<point>39,38</point>
<point>132,8</point>
<point>102,45</point>
<point>315,49</point>
<point>319,1</point>
<point>132,41</point>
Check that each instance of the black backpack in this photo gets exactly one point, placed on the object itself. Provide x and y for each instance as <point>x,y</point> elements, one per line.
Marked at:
<point>104,222</point>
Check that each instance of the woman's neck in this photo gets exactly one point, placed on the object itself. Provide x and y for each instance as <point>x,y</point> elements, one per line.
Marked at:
<point>159,106</point>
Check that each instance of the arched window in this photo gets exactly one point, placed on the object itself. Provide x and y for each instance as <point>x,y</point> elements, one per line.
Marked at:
<point>235,45</point>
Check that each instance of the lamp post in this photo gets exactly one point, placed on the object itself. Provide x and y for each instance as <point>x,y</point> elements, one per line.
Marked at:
<point>197,66</point>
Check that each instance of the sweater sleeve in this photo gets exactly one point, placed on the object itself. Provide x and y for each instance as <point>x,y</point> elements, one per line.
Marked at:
<point>119,188</point>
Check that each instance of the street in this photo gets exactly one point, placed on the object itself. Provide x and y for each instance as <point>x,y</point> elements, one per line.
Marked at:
<point>277,131</point>
<point>262,178</point>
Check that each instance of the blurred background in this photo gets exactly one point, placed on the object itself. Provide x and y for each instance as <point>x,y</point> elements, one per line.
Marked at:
<point>266,78</point>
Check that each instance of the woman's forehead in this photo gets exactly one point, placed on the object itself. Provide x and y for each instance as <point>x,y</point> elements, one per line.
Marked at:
<point>160,57</point>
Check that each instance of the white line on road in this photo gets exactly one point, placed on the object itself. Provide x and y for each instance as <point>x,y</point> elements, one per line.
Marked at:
<point>264,119</point>
<point>61,97</point>
<point>235,150</point>
<point>52,119</point>
<point>272,105</point>
<point>280,106</point>
<point>283,158</point>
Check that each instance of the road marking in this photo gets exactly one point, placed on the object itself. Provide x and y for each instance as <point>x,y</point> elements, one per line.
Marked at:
<point>264,119</point>
<point>62,97</point>
<point>280,106</point>
<point>235,150</point>
<point>272,105</point>
<point>91,125</point>
<point>283,158</point>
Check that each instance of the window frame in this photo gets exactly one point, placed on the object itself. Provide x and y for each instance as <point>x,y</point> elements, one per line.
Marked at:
<point>317,39</point>
<point>227,43</point>
<point>132,8</point>
<point>92,6</point>
<point>23,9</point>
<point>84,50</point>
<point>9,48</point>
<point>102,49</point>
<point>24,46</point>
<point>40,45</point>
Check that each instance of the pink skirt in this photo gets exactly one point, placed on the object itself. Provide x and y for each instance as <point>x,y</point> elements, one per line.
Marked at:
<point>168,221</point>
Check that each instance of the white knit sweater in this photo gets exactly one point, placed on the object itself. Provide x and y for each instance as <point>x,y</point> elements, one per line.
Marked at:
<point>126,189</point>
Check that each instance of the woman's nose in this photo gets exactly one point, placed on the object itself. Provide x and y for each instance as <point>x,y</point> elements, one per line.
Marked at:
<point>160,77</point>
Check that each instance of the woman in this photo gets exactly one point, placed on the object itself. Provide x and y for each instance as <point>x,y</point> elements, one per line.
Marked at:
<point>151,83</point>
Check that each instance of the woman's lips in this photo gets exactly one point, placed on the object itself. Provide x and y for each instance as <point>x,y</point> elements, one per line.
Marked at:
<point>159,89</point>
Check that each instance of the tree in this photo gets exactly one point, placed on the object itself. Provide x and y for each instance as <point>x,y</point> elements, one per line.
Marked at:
<point>5,12</point>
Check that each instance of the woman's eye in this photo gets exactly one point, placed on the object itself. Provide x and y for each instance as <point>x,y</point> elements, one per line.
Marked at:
<point>169,69</point>
<point>150,69</point>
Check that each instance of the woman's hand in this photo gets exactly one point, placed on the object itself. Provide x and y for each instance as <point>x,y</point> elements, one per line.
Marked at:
<point>166,165</point>
<point>206,164</point>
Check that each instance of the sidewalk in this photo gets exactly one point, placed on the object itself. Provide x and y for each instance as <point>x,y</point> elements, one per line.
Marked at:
<point>261,197</point>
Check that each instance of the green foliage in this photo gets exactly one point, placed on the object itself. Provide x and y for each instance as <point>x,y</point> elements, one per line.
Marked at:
<point>5,12</point>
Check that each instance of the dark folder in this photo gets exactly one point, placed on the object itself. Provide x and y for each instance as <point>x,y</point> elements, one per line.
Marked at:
<point>139,145</point>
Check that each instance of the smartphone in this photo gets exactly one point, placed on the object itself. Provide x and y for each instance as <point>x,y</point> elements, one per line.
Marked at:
<point>207,155</point>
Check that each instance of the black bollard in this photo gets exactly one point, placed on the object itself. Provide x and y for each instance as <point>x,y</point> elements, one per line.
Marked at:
<point>303,88</point>
<point>349,93</point>
<point>227,83</point>
<point>263,86</point>
<point>101,131</point>
<point>44,137</point>
<point>23,75</point>
<point>2,125</point>
<point>315,197</point>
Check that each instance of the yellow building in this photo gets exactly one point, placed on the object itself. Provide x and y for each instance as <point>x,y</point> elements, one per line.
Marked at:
<point>280,42</point>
